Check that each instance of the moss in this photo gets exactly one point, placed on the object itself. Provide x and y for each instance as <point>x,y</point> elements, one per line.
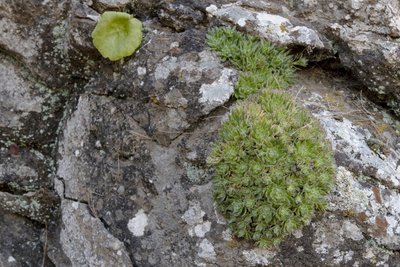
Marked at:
<point>273,166</point>
<point>262,64</point>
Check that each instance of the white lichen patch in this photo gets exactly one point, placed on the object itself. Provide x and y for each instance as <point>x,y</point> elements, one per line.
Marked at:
<point>393,204</point>
<point>227,235</point>
<point>272,27</point>
<point>298,234</point>
<point>194,218</point>
<point>242,22</point>
<point>328,236</point>
<point>348,194</point>
<point>137,224</point>
<point>200,230</point>
<point>194,215</point>
<point>342,256</point>
<point>141,71</point>
<point>211,9</point>
<point>352,140</point>
<point>206,250</point>
<point>218,92</point>
<point>233,13</point>
<point>352,231</point>
<point>266,19</point>
<point>259,256</point>
<point>165,67</point>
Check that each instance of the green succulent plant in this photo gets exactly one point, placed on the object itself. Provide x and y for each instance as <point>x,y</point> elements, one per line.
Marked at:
<point>117,35</point>
<point>273,166</point>
<point>262,64</point>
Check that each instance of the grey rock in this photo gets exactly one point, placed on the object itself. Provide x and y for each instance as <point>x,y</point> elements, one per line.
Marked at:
<point>366,191</point>
<point>24,171</point>
<point>22,242</point>
<point>39,206</point>
<point>81,133</point>
<point>86,242</point>
<point>206,250</point>
<point>184,77</point>
<point>366,36</point>
<point>126,143</point>
<point>274,28</point>
<point>30,39</point>
<point>352,141</point>
<point>180,17</point>
<point>108,5</point>
<point>24,102</point>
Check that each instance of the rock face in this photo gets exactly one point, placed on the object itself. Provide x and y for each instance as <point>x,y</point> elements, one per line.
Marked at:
<point>366,36</point>
<point>363,34</point>
<point>104,163</point>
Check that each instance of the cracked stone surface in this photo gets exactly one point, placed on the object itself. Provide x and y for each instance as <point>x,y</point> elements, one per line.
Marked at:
<point>366,36</point>
<point>104,163</point>
<point>85,240</point>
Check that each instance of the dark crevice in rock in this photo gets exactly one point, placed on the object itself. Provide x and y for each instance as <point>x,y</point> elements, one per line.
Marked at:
<point>333,66</point>
<point>4,187</point>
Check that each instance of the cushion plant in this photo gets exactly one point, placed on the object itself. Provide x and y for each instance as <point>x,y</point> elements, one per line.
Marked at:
<point>273,166</point>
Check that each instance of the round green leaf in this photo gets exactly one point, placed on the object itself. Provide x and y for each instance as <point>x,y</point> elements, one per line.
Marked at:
<point>117,35</point>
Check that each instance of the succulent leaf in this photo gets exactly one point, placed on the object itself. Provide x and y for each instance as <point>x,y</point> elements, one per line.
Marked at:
<point>117,35</point>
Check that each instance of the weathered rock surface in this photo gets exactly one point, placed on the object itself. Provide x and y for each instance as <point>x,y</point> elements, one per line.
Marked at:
<point>30,111</point>
<point>21,241</point>
<point>272,27</point>
<point>124,144</point>
<point>366,36</point>
<point>85,240</point>
<point>363,34</point>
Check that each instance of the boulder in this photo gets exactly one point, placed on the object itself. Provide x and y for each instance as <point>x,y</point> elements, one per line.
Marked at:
<point>105,163</point>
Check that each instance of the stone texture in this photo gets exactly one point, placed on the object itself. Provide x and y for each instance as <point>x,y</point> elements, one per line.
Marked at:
<point>30,110</point>
<point>107,5</point>
<point>39,206</point>
<point>365,35</point>
<point>124,144</point>
<point>21,242</point>
<point>30,39</point>
<point>167,81</point>
<point>180,17</point>
<point>86,242</point>
<point>24,171</point>
<point>274,28</point>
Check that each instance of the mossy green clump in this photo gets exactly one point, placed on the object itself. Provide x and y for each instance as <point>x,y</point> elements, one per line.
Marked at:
<point>263,65</point>
<point>273,166</point>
